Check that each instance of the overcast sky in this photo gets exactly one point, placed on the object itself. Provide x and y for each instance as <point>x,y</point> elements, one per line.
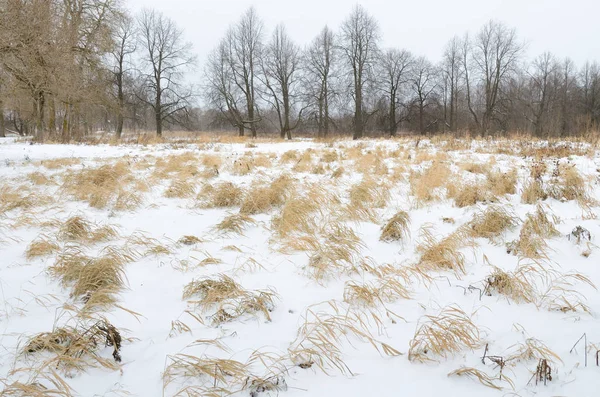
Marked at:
<point>564,27</point>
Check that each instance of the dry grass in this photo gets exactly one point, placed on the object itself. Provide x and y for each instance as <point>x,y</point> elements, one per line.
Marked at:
<point>426,186</point>
<point>300,212</point>
<point>533,192</point>
<point>53,164</point>
<point>219,195</point>
<point>43,245</point>
<point>319,338</point>
<point>39,178</point>
<point>567,184</point>
<point>533,349</point>
<point>501,183</point>
<point>371,294</point>
<point>13,198</point>
<point>537,227</point>
<point>230,299</point>
<point>180,188</point>
<point>261,198</point>
<point>451,331</point>
<point>100,186</point>
<point>468,194</point>
<point>397,228</point>
<point>443,254</point>
<point>189,240</point>
<point>75,348</point>
<point>78,229</point>
<point>338,251</point>
<point>95,280</point>
<point>546,288</point>
<point>480,376</point>
<point>492,222</point>
<point>517,285</point>
<point>234,224</point>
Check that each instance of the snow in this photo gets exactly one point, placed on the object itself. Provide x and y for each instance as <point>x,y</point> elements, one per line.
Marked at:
<point>33,302</point>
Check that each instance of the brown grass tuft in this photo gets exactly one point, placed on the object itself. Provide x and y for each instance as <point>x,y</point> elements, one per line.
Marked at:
<point>448,333</point>
<point>43,245</point>
<point>492,222</point>
<point>397,228</point>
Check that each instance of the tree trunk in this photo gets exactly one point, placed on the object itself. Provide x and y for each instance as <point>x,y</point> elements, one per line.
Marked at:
<point>52,116</point>
<point>121,104</point>
<point>241,129</point>
<point>393,128</point>
<point>358,116</point>
<point>2,126</point>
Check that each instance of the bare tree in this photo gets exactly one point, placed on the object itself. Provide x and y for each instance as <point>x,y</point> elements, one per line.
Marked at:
<point>166,57</point>
<point>423,85</point>
<point>451,66</point>
<point>359,46</point>
<point>280,73</point>
<point>244,61</point>
<point>496,53</point>
<point>125,45</point>
<point>590,86</point>
<point>543,68</point>
<point>320,59</point>
<point>395,68</point>
<point>221,90</point>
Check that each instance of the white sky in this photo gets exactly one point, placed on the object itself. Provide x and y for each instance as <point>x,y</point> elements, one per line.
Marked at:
<point>564,27</point>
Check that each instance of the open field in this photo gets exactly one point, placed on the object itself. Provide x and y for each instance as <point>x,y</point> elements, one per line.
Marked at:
<point>304,268</point>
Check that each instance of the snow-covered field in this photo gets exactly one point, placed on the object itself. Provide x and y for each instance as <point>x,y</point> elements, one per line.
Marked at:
<point>260,269</point>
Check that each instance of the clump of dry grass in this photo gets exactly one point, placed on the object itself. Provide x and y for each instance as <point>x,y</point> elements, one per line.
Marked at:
<point>229,298</point>
<point>517,285</point>
<point>234,223</point>
<point>217,376</point>
<point>95,280</point>
<point>546,288</point>
<point>189,240</point>
<point>468,194</point>
<point>180,188</point>
<point>39,178</point>
<point>492,222</point>
<point>53,164</point>
<point>365,196</point>
<point>536,228</point>
<point>151,245</point>
<point>533,192</point>
<point>12,198</point>
<point>223,194</point>
<point>243,165</point>
<point>98,186</point>
<point>319,338</point>
<point>568,184</point>
<point>371,294</point>
<point>533,349</point>
<point>41,384</point>
<point>482,377</point>
<point>451,331</point>
<point>501,183</point>
<point>397,228</point>
<point>77,347</point>
<point>339,251</point>
<point>443,254</point>
<point>300,212</point>
<point>78,229</point>
<point>426,186</point>
<point>43,245</point>
<point>261,198</point>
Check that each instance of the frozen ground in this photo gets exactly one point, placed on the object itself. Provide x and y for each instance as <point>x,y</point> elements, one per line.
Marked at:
<point>158,325</point>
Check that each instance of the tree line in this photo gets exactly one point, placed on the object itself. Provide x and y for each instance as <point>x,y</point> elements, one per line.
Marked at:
<point>72,67</point>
